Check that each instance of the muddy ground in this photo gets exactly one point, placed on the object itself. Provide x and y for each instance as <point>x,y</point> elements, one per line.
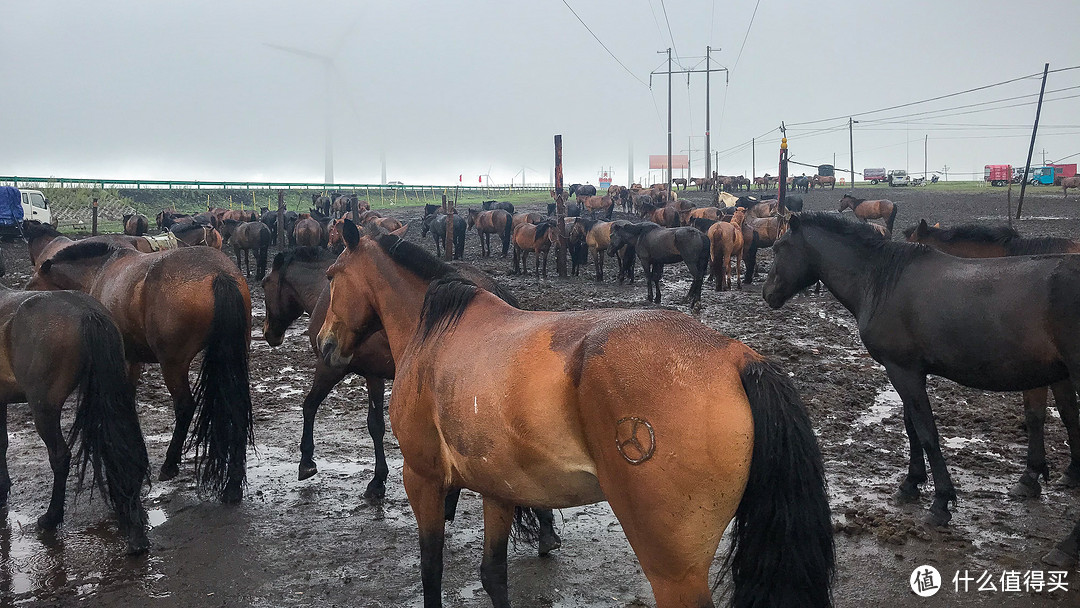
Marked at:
<point>318,543</point>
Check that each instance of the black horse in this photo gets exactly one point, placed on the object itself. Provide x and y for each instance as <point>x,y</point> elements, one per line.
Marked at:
<point>581,190</point>
<point>656,246</point>
<point>436,224</point>
<point>322,203</point>
<point>1000,324</point>
<point>801,183</point>
<point>490,205</point>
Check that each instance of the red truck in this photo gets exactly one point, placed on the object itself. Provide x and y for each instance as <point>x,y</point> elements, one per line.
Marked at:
<point>998,175</point>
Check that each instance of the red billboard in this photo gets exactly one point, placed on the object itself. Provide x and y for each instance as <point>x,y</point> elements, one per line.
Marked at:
<point>678,161</point>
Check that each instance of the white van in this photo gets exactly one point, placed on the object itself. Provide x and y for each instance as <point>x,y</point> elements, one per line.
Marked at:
<point>35,206</point>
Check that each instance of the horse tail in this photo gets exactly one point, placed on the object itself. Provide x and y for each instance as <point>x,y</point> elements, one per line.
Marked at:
<point>751,259</point>
<point>781,551</point>
<point>892,217</point>
<point>508,228</point>
<point>106,426</point>
<point>224,425</point>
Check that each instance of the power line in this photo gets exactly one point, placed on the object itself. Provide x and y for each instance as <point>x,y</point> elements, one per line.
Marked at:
<point>921,101</point>
<point>746,35</point>
<point>604,45</point>
<point>970,105</point>
<point>670,35</point>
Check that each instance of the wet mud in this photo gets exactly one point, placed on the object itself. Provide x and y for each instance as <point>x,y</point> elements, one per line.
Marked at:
<point>319,543</point>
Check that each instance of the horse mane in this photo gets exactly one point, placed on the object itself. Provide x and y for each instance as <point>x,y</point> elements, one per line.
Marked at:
<point>301,255</point>
<point>854,200</point>
<point>893,257</point>
<point>1040,245</point>
<point>33,229</point>
<point>179,229</point>
<point>1003,236</point>
<point>81,251</point>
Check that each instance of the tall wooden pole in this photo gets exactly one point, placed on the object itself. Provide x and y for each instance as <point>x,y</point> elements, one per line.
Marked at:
<point>925,142</point>
<point>851,148</point>
<point>1031,148</point>
<point>753,159</point>
<point>781,186</point>
<point>448,211</point>
<point>280,221</point>
<point>93,228</point>
<point>669,118</point>
<point>560,209</point>
<point>708,154</point>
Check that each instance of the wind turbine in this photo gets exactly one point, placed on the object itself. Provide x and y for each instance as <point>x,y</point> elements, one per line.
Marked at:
<point>329,68</point>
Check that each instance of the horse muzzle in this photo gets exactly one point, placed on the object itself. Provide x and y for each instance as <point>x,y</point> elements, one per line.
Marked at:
<point>330,351</point>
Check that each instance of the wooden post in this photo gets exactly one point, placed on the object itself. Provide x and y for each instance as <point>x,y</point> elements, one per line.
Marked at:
<point>93,228</point>
<point>560,210</point>
<point>781,185</point>
<point>280,221</point>
<point>448,211</point>
<point>1031,148</point>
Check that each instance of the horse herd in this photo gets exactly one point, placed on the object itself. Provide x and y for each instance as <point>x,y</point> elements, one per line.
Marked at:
<point>704,434</point>
<point>736,183</point>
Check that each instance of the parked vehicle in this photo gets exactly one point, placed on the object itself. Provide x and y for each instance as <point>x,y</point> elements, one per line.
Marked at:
<point>998,175</point>
<point>1049,175</point>
<point>899,177</point>
<point>875,175</point>
<point>15,206</point>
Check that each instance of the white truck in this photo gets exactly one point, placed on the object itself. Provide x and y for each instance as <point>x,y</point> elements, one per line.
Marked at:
<point>899,177</point>
<point>36,206</point>
<point>16,206</point>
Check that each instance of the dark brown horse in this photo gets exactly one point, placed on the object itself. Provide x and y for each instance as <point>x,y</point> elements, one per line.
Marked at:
<point>656,246</point>
<point>197,234</point>
<point>435,223</point>
<point>592,204</point>
<point>759,233</point>
<point>537,238</point>
<point>1069,182</point>
<point>251,236</point>
<point>871,210</point>
<point>496,221</point>
<point>322,202</point>
<point>135,224</point>
<point>170,306</point>
<point>704,429</point>
<point>678,181</point>
<point>977,241</point>
<point>310,232</point>
<point>297,284</point>
<point>726,240</point>
<point>51,346</point>
<point>914,309</point>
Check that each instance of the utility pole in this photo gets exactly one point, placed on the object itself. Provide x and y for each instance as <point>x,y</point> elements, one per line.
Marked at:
<point>753,158</point>
<point>851,148</point>
<point>1044,157</point>
<point>669,117</point>
<point>560,209</point>
<point>1031,148</point>
<point>630,165</point>
<point>926,139</point>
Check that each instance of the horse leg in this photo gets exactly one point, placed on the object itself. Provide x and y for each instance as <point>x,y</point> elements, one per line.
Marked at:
<point>1065,400</point>
<point>450,504</point>
<point>498,518</point>
<point>376,425</point>
<point>176,380</point>
<point>657,274</point>
<point>916,476</point>
<point>47,423</point>
<point>1034,419</point>
<point>545,252</point>
<point>525,262</point>
<point>326,378</point>
<point>247,263</point>
<point>911,385</point>
<point>600,264</point>
<point>1065,553</point>
<point>738,265</point>
<point>5,479</point>
<point>428,504</point>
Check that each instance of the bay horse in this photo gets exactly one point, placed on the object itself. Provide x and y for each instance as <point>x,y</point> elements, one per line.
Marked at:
<point>251,236</point>
<point>704,432</point>
<point>526,218</point>
<point>197,234</point>
<point>759,233</point>
<point>666,216</point>
<point>167,217</point>
<point>310,232</point>
<point>871,210</point>
<point>825,180</point>
<point>322,202</point>
<point>53,345</point>
<point>496,221</point>
<point>906,297</point>
<point>592,204</point>
<point>578,250</point>
<point>135,224</point>
<point>656,246</point>
<point>170,306</point>
<point>492,205</point>
<point>297,284</point>
<point>725,241</point>
<point>709,213</point>
<point>537,238</point>
<point>978,241</point>
<point>1069,182</point>
<point>436,224</point>
<point>41,240</point>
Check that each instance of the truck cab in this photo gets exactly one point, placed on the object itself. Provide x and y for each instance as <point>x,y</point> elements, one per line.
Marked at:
<point>36,206</point>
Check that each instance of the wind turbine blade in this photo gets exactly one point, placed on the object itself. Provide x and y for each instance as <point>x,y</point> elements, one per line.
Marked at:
<point>334,50</point>
<point>295,51</point>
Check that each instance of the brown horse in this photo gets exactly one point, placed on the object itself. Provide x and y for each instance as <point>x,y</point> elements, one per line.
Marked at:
<point>1069,182</point>
<point>248,236</point>
<point>525,218</point>
<point>824,180</point>
<point>40,240</point>
<point>170,306</point>
<point>197,234</point>
<point>705,431</point>
<point>679,181</point>
<point>709,213</point>
<point>167,217</point>
<point>726,240</point>
<point>592,204</point>
<point>976,241</point>
<point>598,239</point>
<point>51,346</point>
<point>537,238</point>
<point>871,210</point>
<point>666,216</point>
<point>310,232</point>
<point>135,224</point>
<point>496,221</point>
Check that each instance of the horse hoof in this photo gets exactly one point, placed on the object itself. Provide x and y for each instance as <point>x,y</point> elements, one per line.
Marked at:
<point>307,471</point>
<point>375,491</point>
<point>168,472</point>
<point>907,495</point>
<point>937,519</point>
<point>137,546</point>
<point>48,523</point>
<point>1068,480</point>
<point>1025,489</point>
<point>548,543</point>
<point>232,495</point>
<point>1059,558</point>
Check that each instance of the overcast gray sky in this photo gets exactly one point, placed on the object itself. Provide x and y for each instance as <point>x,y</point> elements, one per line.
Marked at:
<point>189,90</point>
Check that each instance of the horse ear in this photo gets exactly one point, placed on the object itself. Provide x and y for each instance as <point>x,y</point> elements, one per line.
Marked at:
<point>794,221</point>
<point>922,229</point>
<point>351,234</point>
<point>400,232</point>
<point>45,266</point>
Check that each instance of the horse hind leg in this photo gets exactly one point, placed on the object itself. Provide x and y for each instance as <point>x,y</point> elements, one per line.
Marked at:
<point>1035,419</point>
<point>912,389</point>
<point>47,423</point>
<point>376,488</point>
<point>428,504</point>
<point>176,381</point>
<point>1065,397</point>
<point>5,478</point>
<point>498,519</point>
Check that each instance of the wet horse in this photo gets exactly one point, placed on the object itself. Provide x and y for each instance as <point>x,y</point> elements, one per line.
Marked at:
<point>656,246</point>
<point>726,240</point>
<point>913,306</point>
<point>436,224</point>
<point>53,345</point>
<point>297,284</point>
<point>251,236</point>
<point>703,432</point>
<point>135,224</point>
<point>496,221</point>
<point>170,306</point>
<point>537,238</point>
<point>871,210</point>
<point>977,241</point>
